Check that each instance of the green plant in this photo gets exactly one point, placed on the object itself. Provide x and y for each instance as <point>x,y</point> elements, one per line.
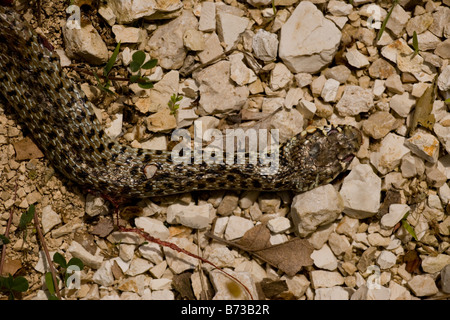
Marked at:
<point>136,64</point>
<point>12,286</point>
<point>173,103</point>
<point>3,240</point>
<point>105,86</point>
<point>74,264</point>
<point>408,227</point>
<point>415,45</point>
<point>383,25</point>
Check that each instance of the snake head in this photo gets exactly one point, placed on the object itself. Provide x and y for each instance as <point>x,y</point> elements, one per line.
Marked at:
<point>318,155</point>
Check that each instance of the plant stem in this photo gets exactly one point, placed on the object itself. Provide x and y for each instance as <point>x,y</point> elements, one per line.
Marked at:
<point>47,254</point>
<point>173,246</point>
<point>8,227</point>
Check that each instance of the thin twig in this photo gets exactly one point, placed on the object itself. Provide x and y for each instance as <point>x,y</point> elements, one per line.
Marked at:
<point>8,227</point>
<point>173,246</point>
<point>47,254</point>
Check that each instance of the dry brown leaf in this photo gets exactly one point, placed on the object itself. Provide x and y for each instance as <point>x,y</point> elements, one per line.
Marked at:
<point>182,283</point>
<point>256,238</point>
<point>11,267</point>
<point>422,114</point>
<point>289,256</point>
<point>26,149</point>
<point>413,261</point>
<point>103,227</point>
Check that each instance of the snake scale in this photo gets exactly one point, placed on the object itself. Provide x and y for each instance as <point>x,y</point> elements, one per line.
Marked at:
<point>63,124</point>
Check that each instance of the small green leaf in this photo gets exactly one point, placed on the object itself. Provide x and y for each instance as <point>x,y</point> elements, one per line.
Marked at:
<point>59,259</point>
<point>415,44</point>
<point>145,85</point>
<point>383,25</point>
<point>49,283</point>
<point>135,78</point>
<point>26,217</point>
<point>111,60</point>
<point>4,240</point>
<point>150,64</point>
<point>138,57</point>
<point>20,284</point>
<point>408,228</point>
<point>76,262</point>
<point>447,100</point>
<point>53,297</point>
<point>134,66</point>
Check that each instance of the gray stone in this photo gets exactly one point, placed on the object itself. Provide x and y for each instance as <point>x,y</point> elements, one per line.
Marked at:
<point>354,101</point>
<point>314,208</point>
<point>167,45</point>
<point>308,41</point>
<point>445,279</point>
<point>361,192</point>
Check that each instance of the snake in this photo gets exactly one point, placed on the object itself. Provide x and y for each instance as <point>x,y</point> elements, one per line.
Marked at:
<point>63,124</point>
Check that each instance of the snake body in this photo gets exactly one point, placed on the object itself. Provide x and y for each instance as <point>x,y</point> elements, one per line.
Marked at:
<point>63,124</point>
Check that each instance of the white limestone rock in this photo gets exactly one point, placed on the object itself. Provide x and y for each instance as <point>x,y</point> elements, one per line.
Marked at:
<point>361,192</point>
<point>103,276</point>
<point>192,215</point>
<point>324,258</point>
<point>85,43</point>
<point>354,101</point>
<point>237,227</point>
<point>280,77</point>
<point>207,21</point>
<point>129,34</point>
<point>390,153</point>
<point>128,11</point>
<point>366,293</point>
<point>402,104</point>
<point>325,279</point>
<point>279,224</point>
<point>217,93</point>
<point>178,261</point>
<point>333,293</point>
<point>386,259</point>
<point>424,145</point>
<point>339,8</point>
<point>166,43</point>
<point>397,21</point>
<point>49,219</point>
<point>265,45</point>
<point>239,72</point>
<point>432,264</point>
<point>308,41</point>
<point>423,286</point>
<point>153,227</point>
<point>330,90</point>
<point>396,212</point>
<point>230,27</point>
<point>356,59</point>
<point>314,208</point>
<point>78,251</point>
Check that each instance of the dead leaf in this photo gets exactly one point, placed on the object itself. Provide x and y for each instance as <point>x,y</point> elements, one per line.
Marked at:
<point>103,228</point>
<point>26,149</point>
<point>422,114</point>
<point>413,261</point>
<point>182,284</point>
<point>289,256</point>
<point>272,288</point>
<point>117,271</point>
<point>256,238</point>
<point>11,267</point>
